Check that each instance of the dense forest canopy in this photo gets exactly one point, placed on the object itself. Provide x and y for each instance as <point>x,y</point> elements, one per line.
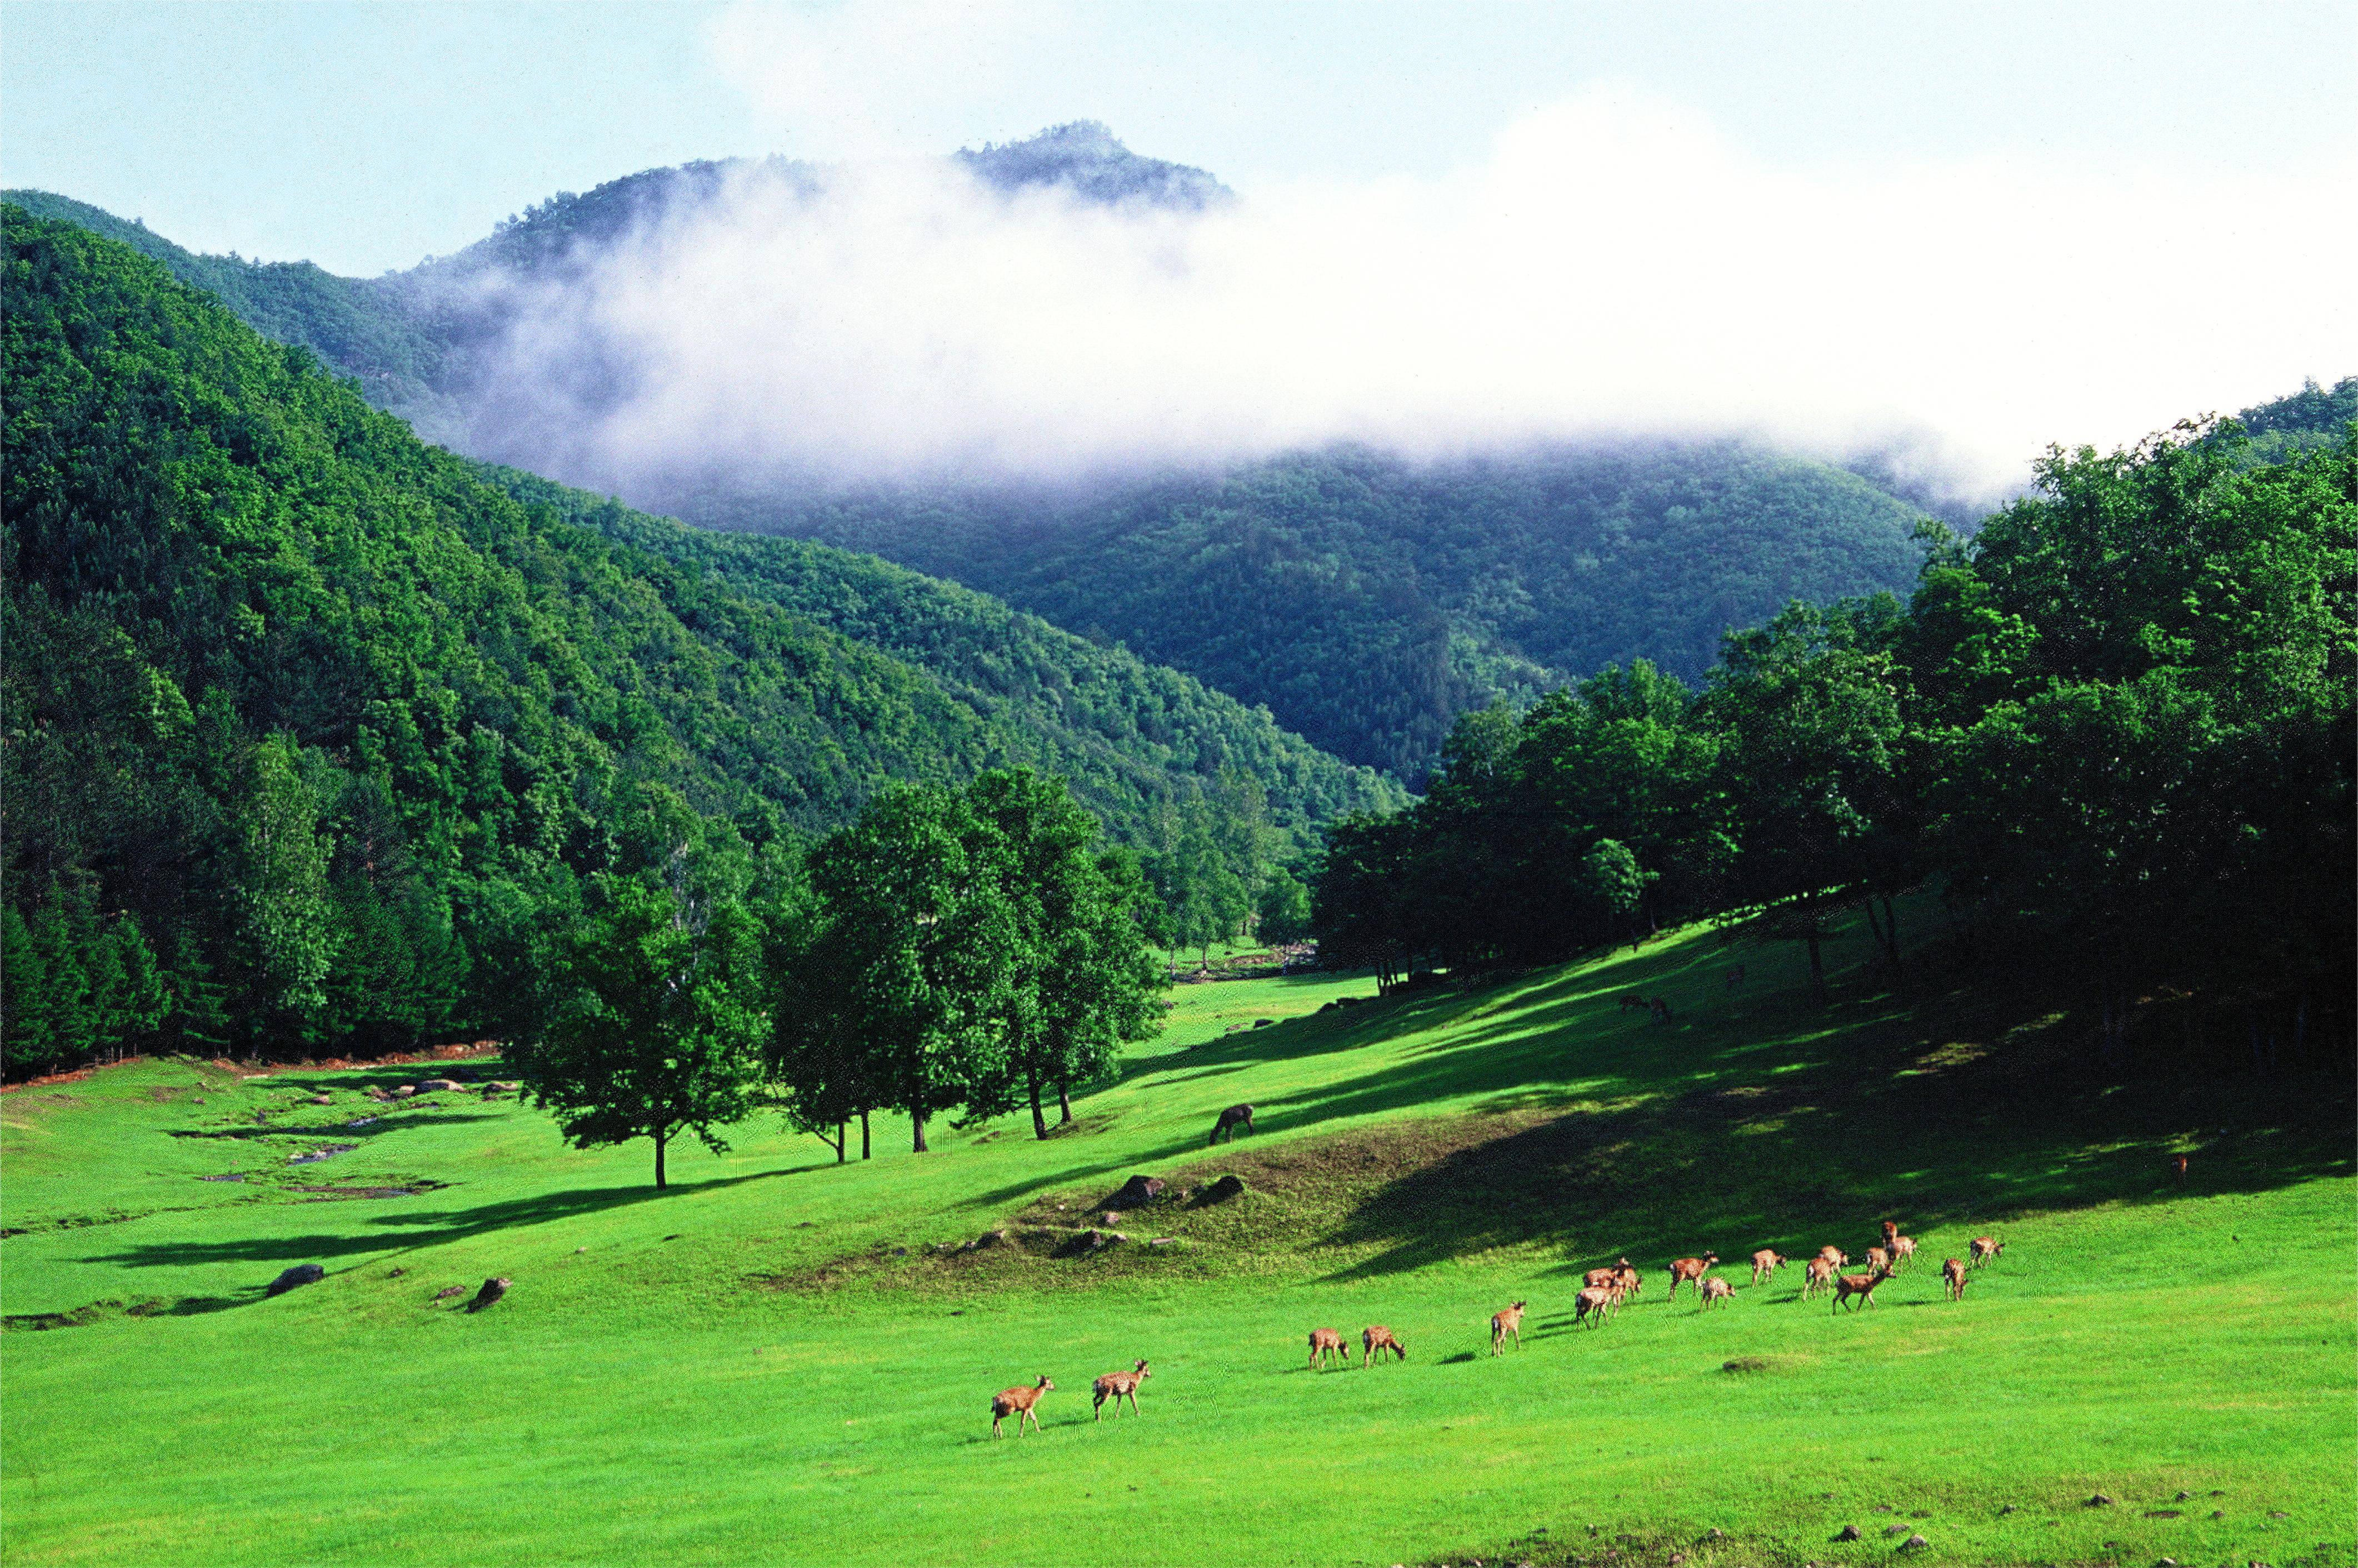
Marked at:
<point>2115,728</point>
<point>313,731</point>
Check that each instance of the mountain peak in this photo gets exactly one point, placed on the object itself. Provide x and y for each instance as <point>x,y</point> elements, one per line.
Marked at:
<point>1088,159</point>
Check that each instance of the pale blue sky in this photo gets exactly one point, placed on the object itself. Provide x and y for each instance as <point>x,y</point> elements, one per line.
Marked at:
<point>365,136</point>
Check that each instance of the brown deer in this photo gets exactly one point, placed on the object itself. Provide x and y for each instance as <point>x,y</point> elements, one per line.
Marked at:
<point>1889,1232</point>
<point>1766,1261</point>
<point>1834,1255</point>
<point>1375,1340</point>
<point>1507,1323</point>
<point>1627,1281</point>
<point>1114,1386</point>
<point>1818,1274</point>
<point>1903,1248</point>
<point>1660,1008</point>
<point>1594,1304</point>
<point>1685,1269</point>
<point>1713,1290</point>
<point>1605,1276</point>
<point>1326,1342</point>
<point>1879,1258</point>
<point>1859,1285</point>
<point>1235,1116</point>
<point>1952,1272</point>
<point>2178,1168</point>
<point>1017,1402</point>
<point>1982,1248</point>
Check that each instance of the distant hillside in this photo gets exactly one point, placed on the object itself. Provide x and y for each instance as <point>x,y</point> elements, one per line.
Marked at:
<point>2312,418</point>
<point>319,725</point>
<point>1367,602</point>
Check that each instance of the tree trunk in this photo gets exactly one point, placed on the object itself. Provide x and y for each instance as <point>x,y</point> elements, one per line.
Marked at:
<point>917,1126</point>
<point>842,1138</point>
<point>865,1151</point>
<point>1039,1122</point>
<point>1817,966</point>
<point>663,1136</point>
<point>1064,1106</point>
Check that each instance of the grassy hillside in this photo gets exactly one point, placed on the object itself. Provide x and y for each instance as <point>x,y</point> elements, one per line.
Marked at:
<point>769,1364</point>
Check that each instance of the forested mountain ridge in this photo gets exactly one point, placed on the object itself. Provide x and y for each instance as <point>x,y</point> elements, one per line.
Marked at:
<point>311,732</point>
<point>1367,600</point>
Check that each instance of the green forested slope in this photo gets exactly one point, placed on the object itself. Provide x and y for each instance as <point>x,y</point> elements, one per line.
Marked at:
<point>1367,600</point>
<point>312,730</point>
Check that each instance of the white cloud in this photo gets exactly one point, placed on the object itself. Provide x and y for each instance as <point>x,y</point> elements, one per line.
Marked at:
<point>1613,266</point>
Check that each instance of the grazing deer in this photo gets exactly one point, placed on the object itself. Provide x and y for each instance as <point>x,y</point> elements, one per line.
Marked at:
<point>1903,1248</point>
<point>1859,1285</point>
<point>1834,1255</point>
<point>1019,1403</point>
<point>1982,1248</point>
<point>1818,1274</point>
<point>1235,1116</point>
<point>1326,1342</point>
<point>1660,1008</point>
<point>1735,977</point>
<point>1504,1323</point>
<point>1114,1386</point>
<point>1685,1269</point>
<point>2178,1168</point>
<point>1627,1281</point>
<point>1879,1258</point>
<point>1953,1273</point>
<point>1375,1340</point>
<point>1766,1261</point>
<point>1713,1290</point>
<point>1634,1001</point>
<point>1594,1304</point>
<point>1607,1276</point>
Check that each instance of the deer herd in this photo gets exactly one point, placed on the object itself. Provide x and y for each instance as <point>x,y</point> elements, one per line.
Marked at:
<point>1603,1290</point>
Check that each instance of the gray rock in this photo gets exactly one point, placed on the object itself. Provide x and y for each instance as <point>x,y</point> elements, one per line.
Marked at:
<point>446,1292</point>
<point>1221,1191</point>
<point>435,1085</point>
<point>492,1292</point>
<point>2008,1509</point>
<point>1847,1532</point>
<point>1136,1193</point>
<point>301,1274</point>
<point>1110,1217</point>
<point>1914,1544</point>
<point>2100,1501</point>
<point>1895,1529</point>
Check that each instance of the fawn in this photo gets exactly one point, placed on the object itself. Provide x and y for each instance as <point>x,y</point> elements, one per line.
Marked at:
<point>1713,1290</point>
<point>1859,1285</point>
<point>1019,1403</point>
<point>1375,1340</point>
<point>1818,1274</point>
<point>1766,1261</point>
<point>1504,1323</point>
<point>1326,1342</point>
<point>1982,1248</point>
<point>1952,1272</point>
<point>1594,1304</point>
<point>1114,1386</point>
<point>1685,1269</point>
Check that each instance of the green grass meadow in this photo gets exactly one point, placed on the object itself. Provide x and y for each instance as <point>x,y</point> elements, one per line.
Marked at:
<point>777,1360</point>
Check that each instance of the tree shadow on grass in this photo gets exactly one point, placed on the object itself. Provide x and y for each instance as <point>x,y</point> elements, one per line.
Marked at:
<point>397,1233</point>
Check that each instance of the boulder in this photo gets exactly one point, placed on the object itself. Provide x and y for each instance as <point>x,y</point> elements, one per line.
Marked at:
<point>1914,1544</point>
<point>1847,1532</point>
<point>446,1292</point>
<point>435,1085</point>
<point>1136,1193</point>
<point>1222,1190</point>
<point>323,1099</point>
<point>301,1274</point>
<point>504,1085</point>
<point>990,1238</point>
<point>492,1292</point>
<point>402,1091</point>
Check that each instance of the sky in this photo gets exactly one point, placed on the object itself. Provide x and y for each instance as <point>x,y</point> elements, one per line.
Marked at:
<point>1958,233</point>
<point>365,136</point>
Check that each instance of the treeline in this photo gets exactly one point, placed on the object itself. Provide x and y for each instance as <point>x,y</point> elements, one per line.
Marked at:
<point>2114,728</point>
<point>310,735</point>
<point>969,950</point>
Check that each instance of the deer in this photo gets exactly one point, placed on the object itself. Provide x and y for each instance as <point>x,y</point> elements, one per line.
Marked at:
<point>1766,1261</point>
<point>1879,1258</point>
<point>2178,1168</point>
<point>1019,1403</point>
<point>1235,1116</point>
<point>1326,1342</point>
<point>1507,1323</point>
<point>1903,1248</point>
<point>1834,1255</point>
<point>1713,1290</point>
<point>1606,1276</point>
<point>1594,1304</point>
<point>1685,1269</point>
<point>1982,1248</point>
<point>1634,1001</point>
<point>1859,1285</point>
<point>1818,1274</point>
<point>1952,1273</point>
<point>1660,1008</point>
<point>1626,1280</point>
<point>1890,1231</point>
<point>1374,1340</point>
<point>1735,977</point>
<point>1114,1386</point>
